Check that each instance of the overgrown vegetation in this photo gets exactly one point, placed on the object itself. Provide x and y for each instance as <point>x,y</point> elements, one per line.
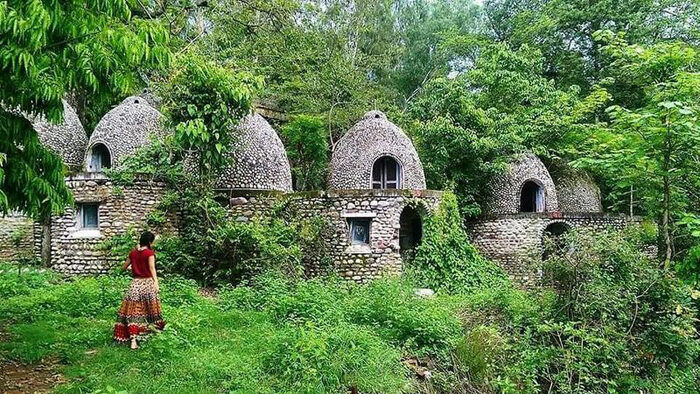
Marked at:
<point>608,86</point>
<point>445,259</point>
<point>608,320</point>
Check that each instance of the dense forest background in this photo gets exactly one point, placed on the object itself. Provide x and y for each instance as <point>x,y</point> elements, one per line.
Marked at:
<point>611,87</point>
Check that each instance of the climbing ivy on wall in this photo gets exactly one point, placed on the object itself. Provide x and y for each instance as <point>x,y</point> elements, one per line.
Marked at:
<point>445,259</point>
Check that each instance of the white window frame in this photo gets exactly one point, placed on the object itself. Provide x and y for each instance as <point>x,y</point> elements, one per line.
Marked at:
<point>354,222</point>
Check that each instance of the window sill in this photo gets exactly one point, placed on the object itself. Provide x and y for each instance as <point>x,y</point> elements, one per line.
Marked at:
<point>358,249</point>
<point>86,234</point>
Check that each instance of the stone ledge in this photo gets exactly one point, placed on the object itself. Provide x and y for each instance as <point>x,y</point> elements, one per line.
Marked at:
<point>558,215</point>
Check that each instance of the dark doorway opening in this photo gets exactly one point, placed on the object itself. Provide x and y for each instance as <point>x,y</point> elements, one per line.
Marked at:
<point>531,197</point>
<point>554,240</point>
<point>410,232</point>
<point>99,158</point>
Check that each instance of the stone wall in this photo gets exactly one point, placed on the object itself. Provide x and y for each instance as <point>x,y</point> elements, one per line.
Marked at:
<point>75,250</point>
<point>576,191</point>
<point>515,240</point>
<point>17,226</point>
<point>356,262</point>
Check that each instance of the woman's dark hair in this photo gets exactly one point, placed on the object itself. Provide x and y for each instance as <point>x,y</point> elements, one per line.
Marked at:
<point>147,238</point>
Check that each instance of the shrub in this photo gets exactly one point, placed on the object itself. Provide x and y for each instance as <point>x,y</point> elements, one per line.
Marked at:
<point>446,259</point>
<point>608,319</point>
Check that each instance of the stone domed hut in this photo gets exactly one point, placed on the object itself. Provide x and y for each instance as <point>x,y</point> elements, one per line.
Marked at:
<point>576,191</point>
<point>121,132</point>
<point>259,159</point>
<point>525,187</point>
<point>375,154</point>
<point>67,139</point>
<point>374,208</point>
<point>372,214</point>
<point>526,206</point>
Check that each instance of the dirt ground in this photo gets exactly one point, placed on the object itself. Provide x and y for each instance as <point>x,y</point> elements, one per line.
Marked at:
<point>17,378</point>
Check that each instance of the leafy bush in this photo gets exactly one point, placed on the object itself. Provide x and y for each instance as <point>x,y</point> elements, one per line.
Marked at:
<point>306,141</point>
<point>241,250</point>
<point>607,319</point>
<point>446,259</point>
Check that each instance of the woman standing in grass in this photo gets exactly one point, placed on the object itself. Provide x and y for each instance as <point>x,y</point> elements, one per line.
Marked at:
<point>141,306</point>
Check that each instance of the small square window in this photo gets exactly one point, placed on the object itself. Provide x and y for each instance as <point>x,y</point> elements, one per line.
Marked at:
<point>89,217</point>
<point>359,231</point>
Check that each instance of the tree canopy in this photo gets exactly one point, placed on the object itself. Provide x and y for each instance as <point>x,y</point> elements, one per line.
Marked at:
<point>49,50</point>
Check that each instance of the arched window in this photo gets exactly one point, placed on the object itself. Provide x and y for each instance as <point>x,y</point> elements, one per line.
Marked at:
<point>386,173</point>
<point>99,158</point>
<point>410,231</point>
<point>531,197</point>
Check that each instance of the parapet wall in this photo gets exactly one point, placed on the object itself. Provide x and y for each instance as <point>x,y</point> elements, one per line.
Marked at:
<point>383,208</point>
<point>76,250</point>
<point>515,240</point>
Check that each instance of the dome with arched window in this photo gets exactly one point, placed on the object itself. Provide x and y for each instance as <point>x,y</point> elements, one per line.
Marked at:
<point>67,139</point>
<point>375,154</point>
<point>121,132</point>
<point>525,187</point>
<point>259,159</point>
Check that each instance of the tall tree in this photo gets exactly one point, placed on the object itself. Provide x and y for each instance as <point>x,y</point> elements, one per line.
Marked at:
<point>306,140</point>
<point>564,30</point>
<point>49,49</point>
<point>653,148</point>
<point>466,128</point>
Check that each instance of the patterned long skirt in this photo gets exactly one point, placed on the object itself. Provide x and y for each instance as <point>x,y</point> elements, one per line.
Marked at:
<point>139,311</point>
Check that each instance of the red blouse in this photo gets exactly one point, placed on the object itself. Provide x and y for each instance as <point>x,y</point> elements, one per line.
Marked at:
<point>139,262</point>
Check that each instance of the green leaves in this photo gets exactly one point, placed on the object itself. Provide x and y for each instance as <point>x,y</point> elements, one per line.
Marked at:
<point>51,49</point>
<point>446,259</point>
<point>306,141</point>
<point>203,102</point>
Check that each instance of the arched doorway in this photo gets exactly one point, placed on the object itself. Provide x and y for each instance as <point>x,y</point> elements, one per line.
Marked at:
<point>554,240</point>
<point>531,197</point>
<point>99,159</point>
<point>410,231</point>
<point>386,173</point>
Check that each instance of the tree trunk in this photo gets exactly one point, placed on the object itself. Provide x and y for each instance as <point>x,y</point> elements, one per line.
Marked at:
<point>46,242</point>
<point>665,227</point>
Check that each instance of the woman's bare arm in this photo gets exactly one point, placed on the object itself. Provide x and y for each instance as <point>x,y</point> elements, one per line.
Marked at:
<point>126,264</point>
<point>152,268</point>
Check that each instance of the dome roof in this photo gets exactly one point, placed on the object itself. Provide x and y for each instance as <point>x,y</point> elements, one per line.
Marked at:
<point>126,128</point>
<point>259,159</point>
<point>576,191</point>
<point>67,139</point>
<point>373,137</point>
<point>506,189</point>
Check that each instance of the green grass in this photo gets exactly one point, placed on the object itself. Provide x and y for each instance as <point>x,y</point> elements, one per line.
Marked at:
<point>272,337</point>
<point>278,335</point>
